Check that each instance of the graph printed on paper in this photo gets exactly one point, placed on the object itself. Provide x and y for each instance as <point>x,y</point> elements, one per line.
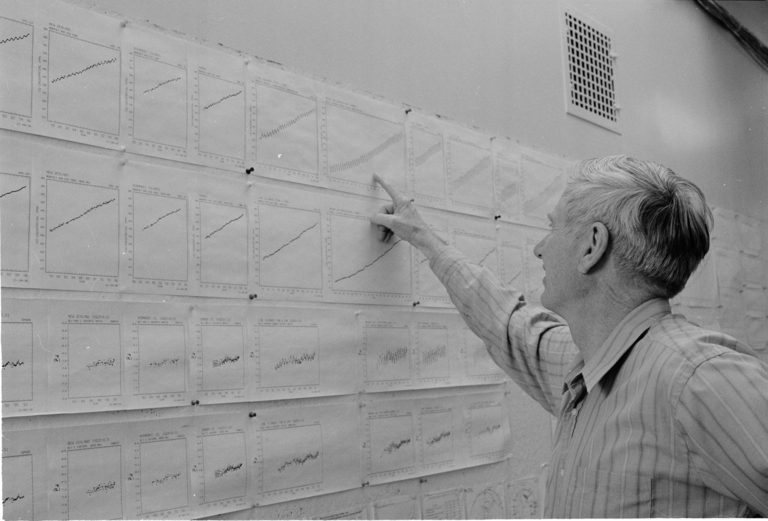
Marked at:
<point>358,144</point>
<point>158,359</point>
<point>478,363</point>
<point>507,186</point>
<point>17,63</point>
<point>284,131</point>
<point>427,164</point>
<point>219,118</point>
<point>223,463</point>
<point>18,362</point>
<point>221,356</point>
<point>512,272</point>
<point>91,366</point>
<point>542,185</point>
<point>222,245</point>
<point>391,443</point>
<point>158,103</point>
<point>290,259</point>
<point>432,352</point>
<point>437,435</point>
<point>487,503</point>
<point>161,474</point>
<point>387,354</point>
<point>481,249</point>
<point>289,356</point>
<point>81,229</point>
<point>469,175</point>
<point>15,223</point>
<point>359,263</point>
<point>19,492</point>
<point>290,457</point>
<point>487,429</point>
<point>158,238</point>
<point>90,484</point>
<point>81,85</point>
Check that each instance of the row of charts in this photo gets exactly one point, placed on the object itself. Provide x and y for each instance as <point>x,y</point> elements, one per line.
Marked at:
<point>75,220</point>
<point>249,455</point>
<point>64,356</point>
<point>79,76</point>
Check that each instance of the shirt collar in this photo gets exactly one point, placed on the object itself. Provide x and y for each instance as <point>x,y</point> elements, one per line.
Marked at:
<point>622,338</point>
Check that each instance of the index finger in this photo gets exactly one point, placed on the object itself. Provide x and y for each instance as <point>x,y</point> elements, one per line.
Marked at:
<point>396,196</point>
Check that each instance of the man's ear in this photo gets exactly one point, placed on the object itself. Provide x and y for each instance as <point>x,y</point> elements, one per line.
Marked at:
<point>595,247</point>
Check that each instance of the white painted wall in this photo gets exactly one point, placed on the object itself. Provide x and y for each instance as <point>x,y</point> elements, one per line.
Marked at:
<point>691,97</point>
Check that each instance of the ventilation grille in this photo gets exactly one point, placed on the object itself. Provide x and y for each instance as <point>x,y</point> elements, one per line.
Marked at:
<point>590,72</point>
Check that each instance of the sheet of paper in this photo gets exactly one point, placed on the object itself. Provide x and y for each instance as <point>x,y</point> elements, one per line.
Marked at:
<point>284,124</point>
<point>486,501</point>
<point>428,288</point>
<point>447,504</point>
<point>24,340</point>
<point>426,160</point>
<point>402,507</point>
<point>470,175</point>
<point>507,179</point>
<point>157,108</point>
<point>512,252</point>
<point>219,123</point>
<point>17,203</point>
<point>543,183</point>
<point>477,239</point>
<point>79,53</point>
<point>361,136</point>
<point>24,469</point>
<point>18,31</point>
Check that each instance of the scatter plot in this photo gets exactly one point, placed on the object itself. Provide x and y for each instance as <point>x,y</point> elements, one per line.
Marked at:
<point>17,341</point>
<point>392,444</point>
<point>159,113</point>
<point>93,360</point>
<point>15,218</point>
<point>360,143</point>
<point>18,493</point>
<point>469,174</point>
<point>82,229</point>
<point>223,362</point>
<point>290,247</point>
<point>289,356</point>
<point>83,84</point>
<point>16,62</point>
<point>164,475</point>
<point>362,263</point>
<point>225,464</point>
<point>95,483</point>
<point>437,436</point>
<point>387,354</point>
<point>223,243</point>
<point>292,457</point>
<point>160,244</point>
<point>542,187</point>
<point>433,356</point>
<point>162,358</point>
<point>489,430</point>
<point>221,116</point>
<point>428,159</point>
<point>286,129</point>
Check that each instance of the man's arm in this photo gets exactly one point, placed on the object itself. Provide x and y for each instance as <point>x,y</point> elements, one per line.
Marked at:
<point>530,344</point>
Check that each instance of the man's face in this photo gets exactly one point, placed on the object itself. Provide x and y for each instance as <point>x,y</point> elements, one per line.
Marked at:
<point>558,252</point>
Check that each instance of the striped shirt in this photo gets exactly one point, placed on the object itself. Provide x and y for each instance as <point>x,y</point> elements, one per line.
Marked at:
<point>666,419</point>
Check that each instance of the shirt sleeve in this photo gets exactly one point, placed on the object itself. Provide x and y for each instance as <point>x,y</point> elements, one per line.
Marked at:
<point>723,415</point>
<point>531,344</point>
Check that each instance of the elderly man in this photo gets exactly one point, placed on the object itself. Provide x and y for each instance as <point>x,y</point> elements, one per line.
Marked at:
<point>656,416</point>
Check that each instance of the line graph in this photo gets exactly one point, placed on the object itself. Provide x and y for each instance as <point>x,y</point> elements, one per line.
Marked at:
<point>223,243</point>
<point>429,286</point>
<point>507,185</point>
<point>83,84</point>
<point>428,159</point>
<point>512,266</point>
<point>286,129</point>
<point>15,218</point>
<point>86,216</point>
<point>292,457</point>
<point>469,174</point>
<point>392,445</point>
<point>488,429</point>
<point>359,143</point>
<point>433,352</point>
<point>159,98</point>
<point>221,116</point>
<point>542,186</point>
<point>94,487</point>
<point>160,241</point>
<point>437,436</point>
<point>18,362</point>
<point>16,62</point>
<point>93,360</point>
<point>480,249</point>
<point>362,263</point>
<point>162,358</point>
<point>477,360</point>
<point>289,356</point>
<point>387,354</point>
<point>164,475</point>
<point>290,247</point>
<point>223,349</point>
<point>19,492</point>
<point>224,463</point>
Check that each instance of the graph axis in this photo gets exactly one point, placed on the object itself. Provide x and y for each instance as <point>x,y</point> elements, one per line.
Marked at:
<point>138,360</point>
<point>69,503</point>
<point>29,218</point>
<point>205,359</point>
<point>207,502</point>
<point>186,457</point>
<point>310,386</point>
<point>31,477</point>
<point>69,366</point>
<point>245,136</point>
<point>201,237</point>
<point>32,361</point>
<point>32,69</point>
<point>312,484</point>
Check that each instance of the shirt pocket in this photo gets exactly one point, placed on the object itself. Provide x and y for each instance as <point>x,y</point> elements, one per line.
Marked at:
<point>610,494</point>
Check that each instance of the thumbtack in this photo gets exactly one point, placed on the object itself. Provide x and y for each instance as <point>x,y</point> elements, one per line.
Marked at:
<point>497,217</point>
<point>407,111</point>
<point>416,303</point>
<point>248,171</point>
<point>252,414</point>
<point>195,402</point>
<point>253,296</point>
